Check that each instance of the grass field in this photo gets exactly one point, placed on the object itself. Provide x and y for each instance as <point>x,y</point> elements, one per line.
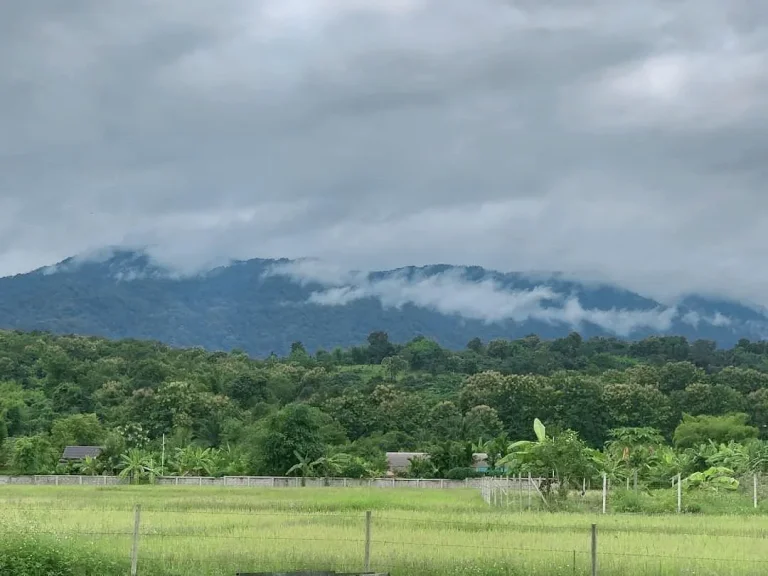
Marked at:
<point>210,531</point>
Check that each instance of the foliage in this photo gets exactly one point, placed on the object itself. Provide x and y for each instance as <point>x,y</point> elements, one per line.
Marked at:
<point>25,554</point>
<point>715,478</point>
<point>421,467</point>
<point>296,429</point>
<point>633,450</point>
<point>228,413</point>
<point>462,473</point>
<point>77,430</point>
<point>138,466</point>
<point>565,456</point>
<point>32,455</point>
<point>196,461</point>
<point>695,430</point>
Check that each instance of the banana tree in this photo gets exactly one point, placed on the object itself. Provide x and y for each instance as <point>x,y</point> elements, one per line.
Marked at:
<point>196,461</point>
<point>758,456</point>
<point>715,479</point>
<point>304,466</point>
<point>138,466</point>
<point>90,466</point>
<point>331,465</point>
<point>566,455</point>
<point>666,465</point>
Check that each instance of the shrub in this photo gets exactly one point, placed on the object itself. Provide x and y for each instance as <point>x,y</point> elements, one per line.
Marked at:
<point>462,473</point>
<point>629,501</point>
<point>23,555</point>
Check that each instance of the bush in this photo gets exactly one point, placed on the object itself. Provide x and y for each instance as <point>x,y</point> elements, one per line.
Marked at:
<point>629,501</point>
<point>22,555</point>
<point>462,473</point>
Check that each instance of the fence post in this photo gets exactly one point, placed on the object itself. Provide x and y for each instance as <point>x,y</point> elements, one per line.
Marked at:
<point>635,479</point>
<point>135,547</point>
<point>529,490</point>
<point>574,561</point>
<point>754,490</point>
<point>679,493</point>
<point>605,490</point>
<point>594,549</point>
<point>368,541</point>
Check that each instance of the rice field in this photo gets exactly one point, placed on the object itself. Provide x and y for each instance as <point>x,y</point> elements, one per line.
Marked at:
<point>212,531</point>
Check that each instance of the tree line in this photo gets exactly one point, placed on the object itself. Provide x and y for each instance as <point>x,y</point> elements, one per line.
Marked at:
<point>337,412</point>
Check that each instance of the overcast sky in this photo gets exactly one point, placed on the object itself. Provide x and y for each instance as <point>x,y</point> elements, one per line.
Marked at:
<point>607,139</point>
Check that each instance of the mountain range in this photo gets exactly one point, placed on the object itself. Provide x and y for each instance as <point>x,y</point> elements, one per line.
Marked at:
<point>262,306</point>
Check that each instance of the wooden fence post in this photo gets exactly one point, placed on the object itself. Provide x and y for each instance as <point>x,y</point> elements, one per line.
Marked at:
<point>135,547</point>
<point>679,493</point>
<point>368,541</point>
<point>594,549</point>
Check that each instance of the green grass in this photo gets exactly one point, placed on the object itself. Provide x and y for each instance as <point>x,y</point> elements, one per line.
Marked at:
<point>210,531</point>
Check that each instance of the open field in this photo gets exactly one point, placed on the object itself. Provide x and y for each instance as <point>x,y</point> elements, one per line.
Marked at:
<point>212,531</point>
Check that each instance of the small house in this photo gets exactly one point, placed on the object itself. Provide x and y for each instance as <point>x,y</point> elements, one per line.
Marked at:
<point>79,453</point>
<point>480,462</point>
<point>399,461</point>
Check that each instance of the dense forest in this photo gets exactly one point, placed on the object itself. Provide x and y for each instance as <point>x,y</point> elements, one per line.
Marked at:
<point>337,412</point>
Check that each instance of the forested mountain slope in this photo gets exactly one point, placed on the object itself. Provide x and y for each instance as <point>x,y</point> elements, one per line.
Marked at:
<point>262,306</point>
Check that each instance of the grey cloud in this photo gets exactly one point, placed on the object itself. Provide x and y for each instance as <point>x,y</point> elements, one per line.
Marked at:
<point>612,141</point>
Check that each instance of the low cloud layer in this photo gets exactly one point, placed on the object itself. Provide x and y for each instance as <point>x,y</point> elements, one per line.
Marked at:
<point>611,141</point>
<point>453,293</point>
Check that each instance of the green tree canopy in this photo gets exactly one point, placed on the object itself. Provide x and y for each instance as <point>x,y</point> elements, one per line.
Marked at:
<point>696,430</point>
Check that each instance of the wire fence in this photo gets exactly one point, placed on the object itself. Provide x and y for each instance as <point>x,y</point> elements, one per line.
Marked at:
<point>151,539</point>
<point>522,492</point>
<point>245,481</point>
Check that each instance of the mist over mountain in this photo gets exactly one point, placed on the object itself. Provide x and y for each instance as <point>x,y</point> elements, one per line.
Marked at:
<point>262,306</point>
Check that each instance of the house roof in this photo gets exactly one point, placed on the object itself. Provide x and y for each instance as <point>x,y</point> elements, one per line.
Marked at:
<point>81,452</point>
<point>401,460</point>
